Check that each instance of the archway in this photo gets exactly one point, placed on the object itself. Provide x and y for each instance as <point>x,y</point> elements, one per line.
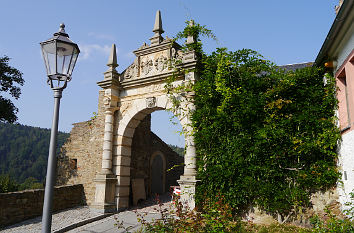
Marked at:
<point>127,99</point>
<point>127,122</point>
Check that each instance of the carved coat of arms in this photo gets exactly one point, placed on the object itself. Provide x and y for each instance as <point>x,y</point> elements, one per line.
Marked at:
<point>146,66</point>
<point>150,102</point>
<point>161,63</point>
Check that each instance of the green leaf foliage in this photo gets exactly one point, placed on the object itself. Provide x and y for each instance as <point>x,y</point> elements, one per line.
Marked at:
<point>9,77</point>
<point>264,136</point>
<point>196,31</point>
<point>7,184</point>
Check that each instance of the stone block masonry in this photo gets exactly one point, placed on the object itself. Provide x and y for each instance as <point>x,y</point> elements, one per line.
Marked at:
<point>19,206</point>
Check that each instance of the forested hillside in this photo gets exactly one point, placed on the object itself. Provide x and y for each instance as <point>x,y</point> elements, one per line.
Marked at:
<point>178,150</point>
<point>24,151</point>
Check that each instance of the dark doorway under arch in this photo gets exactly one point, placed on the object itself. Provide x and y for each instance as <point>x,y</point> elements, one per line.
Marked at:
<point>157,174</point>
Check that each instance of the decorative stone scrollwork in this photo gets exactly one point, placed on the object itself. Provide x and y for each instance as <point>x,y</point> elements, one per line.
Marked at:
<point>131,71</point>
<point>146,66</point>
<point>189,76</point>
<point>150,102</point>
<point>176,54</point>
<point>107,102</point>
<point>161,63</point>
<point>189,56</point>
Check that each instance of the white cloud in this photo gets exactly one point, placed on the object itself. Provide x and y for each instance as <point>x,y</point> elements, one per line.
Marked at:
<point>101,36</point>
<point>87,50</point>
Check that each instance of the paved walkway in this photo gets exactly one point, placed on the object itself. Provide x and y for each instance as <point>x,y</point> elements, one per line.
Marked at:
<point>81,219</point>
<point>127,221</point>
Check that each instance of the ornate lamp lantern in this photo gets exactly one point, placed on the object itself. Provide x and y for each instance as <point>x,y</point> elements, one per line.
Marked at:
<point>60,55</point>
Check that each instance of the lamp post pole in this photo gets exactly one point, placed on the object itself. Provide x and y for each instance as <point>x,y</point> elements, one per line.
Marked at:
<point>60,55</point>
<point>50,180</point>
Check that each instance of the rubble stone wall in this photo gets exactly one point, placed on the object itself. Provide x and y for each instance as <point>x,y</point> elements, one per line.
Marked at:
<point>19,206</point>
<point>320,201</point>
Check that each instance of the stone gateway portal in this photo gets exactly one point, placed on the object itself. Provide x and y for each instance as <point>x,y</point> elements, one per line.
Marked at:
<point>117,149</point>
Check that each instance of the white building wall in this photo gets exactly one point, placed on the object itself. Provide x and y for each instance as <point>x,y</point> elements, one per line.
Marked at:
<point>346,150</point>
<point>346,164</point>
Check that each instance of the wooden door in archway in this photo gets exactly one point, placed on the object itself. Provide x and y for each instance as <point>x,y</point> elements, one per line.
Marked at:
<point>157,175</point>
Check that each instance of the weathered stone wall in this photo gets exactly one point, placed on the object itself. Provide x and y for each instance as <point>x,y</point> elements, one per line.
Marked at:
<point>85,146</point>
<point>319,200</point>
<point>19,206</point>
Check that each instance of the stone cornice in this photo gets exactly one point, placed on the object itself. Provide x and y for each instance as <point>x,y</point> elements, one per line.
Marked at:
<point>109,83</point>
<point>165,45</point>
<point>147,80</point>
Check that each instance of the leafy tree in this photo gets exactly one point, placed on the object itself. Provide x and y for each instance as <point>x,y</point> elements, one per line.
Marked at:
<point>31,183</point>
<point>7,184</point>
<point>9,76</point>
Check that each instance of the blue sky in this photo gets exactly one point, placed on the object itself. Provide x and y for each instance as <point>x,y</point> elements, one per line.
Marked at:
<point>283,31</point>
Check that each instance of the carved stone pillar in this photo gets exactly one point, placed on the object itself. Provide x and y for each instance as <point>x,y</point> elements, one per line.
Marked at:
<point>190,167</point>
<point>107,143</point>
<point>188,180</point>
<point>105,180</point>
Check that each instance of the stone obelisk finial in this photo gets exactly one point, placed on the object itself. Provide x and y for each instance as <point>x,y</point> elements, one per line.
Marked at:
<point>190,38</point>
<point>112,64</point>
<point>112,60</point>
<point>157,38</point>
<point>158,23</point>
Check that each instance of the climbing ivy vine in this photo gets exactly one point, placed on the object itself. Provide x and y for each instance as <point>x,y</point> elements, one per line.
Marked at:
<point>265,136</point>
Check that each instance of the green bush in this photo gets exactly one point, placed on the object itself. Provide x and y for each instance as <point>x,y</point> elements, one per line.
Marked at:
<point>332,224</point>
<point>213,217</point>
<point>7,184</point>
<point>264,136</point>
<point>31,183</point>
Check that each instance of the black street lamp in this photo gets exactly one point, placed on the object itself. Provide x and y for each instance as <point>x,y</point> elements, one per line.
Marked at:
<point>60,55</point>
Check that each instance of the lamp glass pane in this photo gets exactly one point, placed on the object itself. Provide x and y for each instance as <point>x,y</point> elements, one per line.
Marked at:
<point>73,60</point>
<point>51,63</point>
<point>64,53</point>
<point>48,51</point>
<point>66,64</point>
<point>45,57</point>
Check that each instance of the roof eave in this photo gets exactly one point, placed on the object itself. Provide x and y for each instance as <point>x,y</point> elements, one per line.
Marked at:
<point>335,28</point>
